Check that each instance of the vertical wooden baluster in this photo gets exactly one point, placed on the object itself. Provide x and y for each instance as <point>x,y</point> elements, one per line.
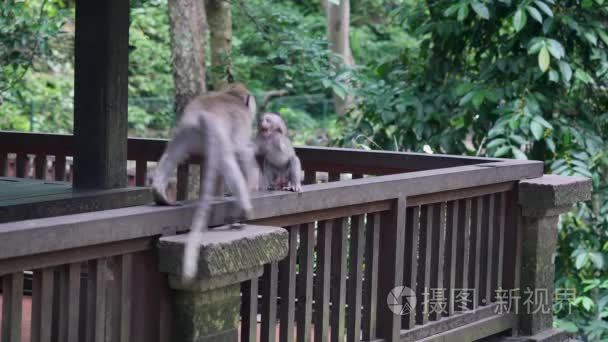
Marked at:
<point>166,318</point>
<point>451,255</point>
<point>12,297</point>
<point>182,182</point>
<point>370,288</point>
<point>462,251</point>
<point>424,265</point>
<point>392,245</point>
<point>36,305</point>
<point>338,279</point>
<point>141,172</point>
<point>287,291</point>
<point>21,165</point>
<point>489,269</point>
<point>69,302</point>
<point>59,167</point>
<point>310,177</point>
<point>42,305</point>
<point>499,238</point>
<point>512,255</point>
<point>3,164</point>
<point>40,166</point>
<point>482,289</point>
<point>322,283</point>
<point>410,263</point>
<point>305,280</point>
<point>437,261</point>
<point>355,281</point>
<point>125,297</point>
<point>96,300</point>
<point>249,310</point>
<point>475,250</point>
<point>269,302</point>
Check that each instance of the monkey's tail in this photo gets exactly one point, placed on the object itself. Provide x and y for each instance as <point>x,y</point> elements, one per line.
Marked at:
<point>212,145</point>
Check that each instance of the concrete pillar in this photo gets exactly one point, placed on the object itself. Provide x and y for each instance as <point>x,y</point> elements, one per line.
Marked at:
<point>542,200</point>
<point>207,308</point>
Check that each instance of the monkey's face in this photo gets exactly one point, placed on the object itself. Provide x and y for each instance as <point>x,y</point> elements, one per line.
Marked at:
<point>271,124</point>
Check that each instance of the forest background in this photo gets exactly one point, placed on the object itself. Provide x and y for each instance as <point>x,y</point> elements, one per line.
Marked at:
<point>501,78</point>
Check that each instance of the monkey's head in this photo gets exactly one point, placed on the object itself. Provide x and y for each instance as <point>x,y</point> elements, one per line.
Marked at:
<point>240,91</point>
<point>272,123</point>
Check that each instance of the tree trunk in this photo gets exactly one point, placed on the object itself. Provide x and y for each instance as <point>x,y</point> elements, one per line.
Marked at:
<point>187,22</point>
<point>338,25</point>
<point>188,26</point>
<point>220,27</point>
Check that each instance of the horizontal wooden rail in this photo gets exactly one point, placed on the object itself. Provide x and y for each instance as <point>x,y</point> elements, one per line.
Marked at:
<point>37,236</point>
<point>152,149</point>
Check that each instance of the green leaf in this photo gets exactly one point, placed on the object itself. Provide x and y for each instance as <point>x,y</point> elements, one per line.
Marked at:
<point>463,12</point>
<point>591,37</point>
<point>478,99</point>
<point>581,260</point>
<point>451,10</point>
<point>587,303</point>
<point>553,76</point>
<point>481,9</point>
<point>544,59</point>
<point>556,49</point>
<point>543,7</point>
<point>603,35</point>
<point>566,325</point>
<point>566,71</point>
<point>583,76</point>
<point>465,99</point>
<point>519,20</point>
<point>535,45</point>
<point>496,142</point>
<point>518,154</point>
<point>502,151</point>
<point>535,14</point>
<point>518,139</point>
<point>537,130</point>
<point>550,145</point>
<point>597,259</point>
<point>543,122</point>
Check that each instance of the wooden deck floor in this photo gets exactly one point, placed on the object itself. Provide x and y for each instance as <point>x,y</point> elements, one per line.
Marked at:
<point>24,199</point>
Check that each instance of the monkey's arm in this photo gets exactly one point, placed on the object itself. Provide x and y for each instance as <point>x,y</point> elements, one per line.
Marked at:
<point>295,170</point>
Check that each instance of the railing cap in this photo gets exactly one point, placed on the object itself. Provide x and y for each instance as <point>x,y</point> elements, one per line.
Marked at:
<point>552,194</point>
<point>226,251</point>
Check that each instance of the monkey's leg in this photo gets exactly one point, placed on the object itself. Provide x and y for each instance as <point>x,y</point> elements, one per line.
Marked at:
<point>177,151</point>
<point>249,168</point>
<point>236,181</point>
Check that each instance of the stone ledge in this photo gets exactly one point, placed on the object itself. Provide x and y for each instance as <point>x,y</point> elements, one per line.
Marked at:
<point>226,250</point>
<point>552,192</point>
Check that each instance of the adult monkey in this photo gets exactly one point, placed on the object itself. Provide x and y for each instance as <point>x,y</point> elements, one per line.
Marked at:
<point>217,125</point>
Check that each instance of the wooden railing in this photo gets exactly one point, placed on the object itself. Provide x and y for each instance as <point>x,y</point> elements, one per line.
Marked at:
<point>422,221</point>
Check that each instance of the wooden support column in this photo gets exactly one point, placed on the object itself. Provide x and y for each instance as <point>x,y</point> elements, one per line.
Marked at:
<point>100,94</point>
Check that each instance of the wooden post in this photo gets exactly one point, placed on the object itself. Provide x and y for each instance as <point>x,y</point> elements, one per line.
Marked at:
<point>390,276</point>
<point>100,94</point>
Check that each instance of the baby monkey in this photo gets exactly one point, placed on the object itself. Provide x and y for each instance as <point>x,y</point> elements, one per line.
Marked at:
<point>280,165</point>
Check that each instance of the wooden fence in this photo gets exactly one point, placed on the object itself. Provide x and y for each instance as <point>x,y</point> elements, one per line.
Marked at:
<point>382,221</point>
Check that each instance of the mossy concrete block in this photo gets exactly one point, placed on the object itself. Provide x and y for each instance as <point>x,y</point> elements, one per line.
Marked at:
<point>226,250</point>
<point>209,316</point>
<point>551,195</point>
